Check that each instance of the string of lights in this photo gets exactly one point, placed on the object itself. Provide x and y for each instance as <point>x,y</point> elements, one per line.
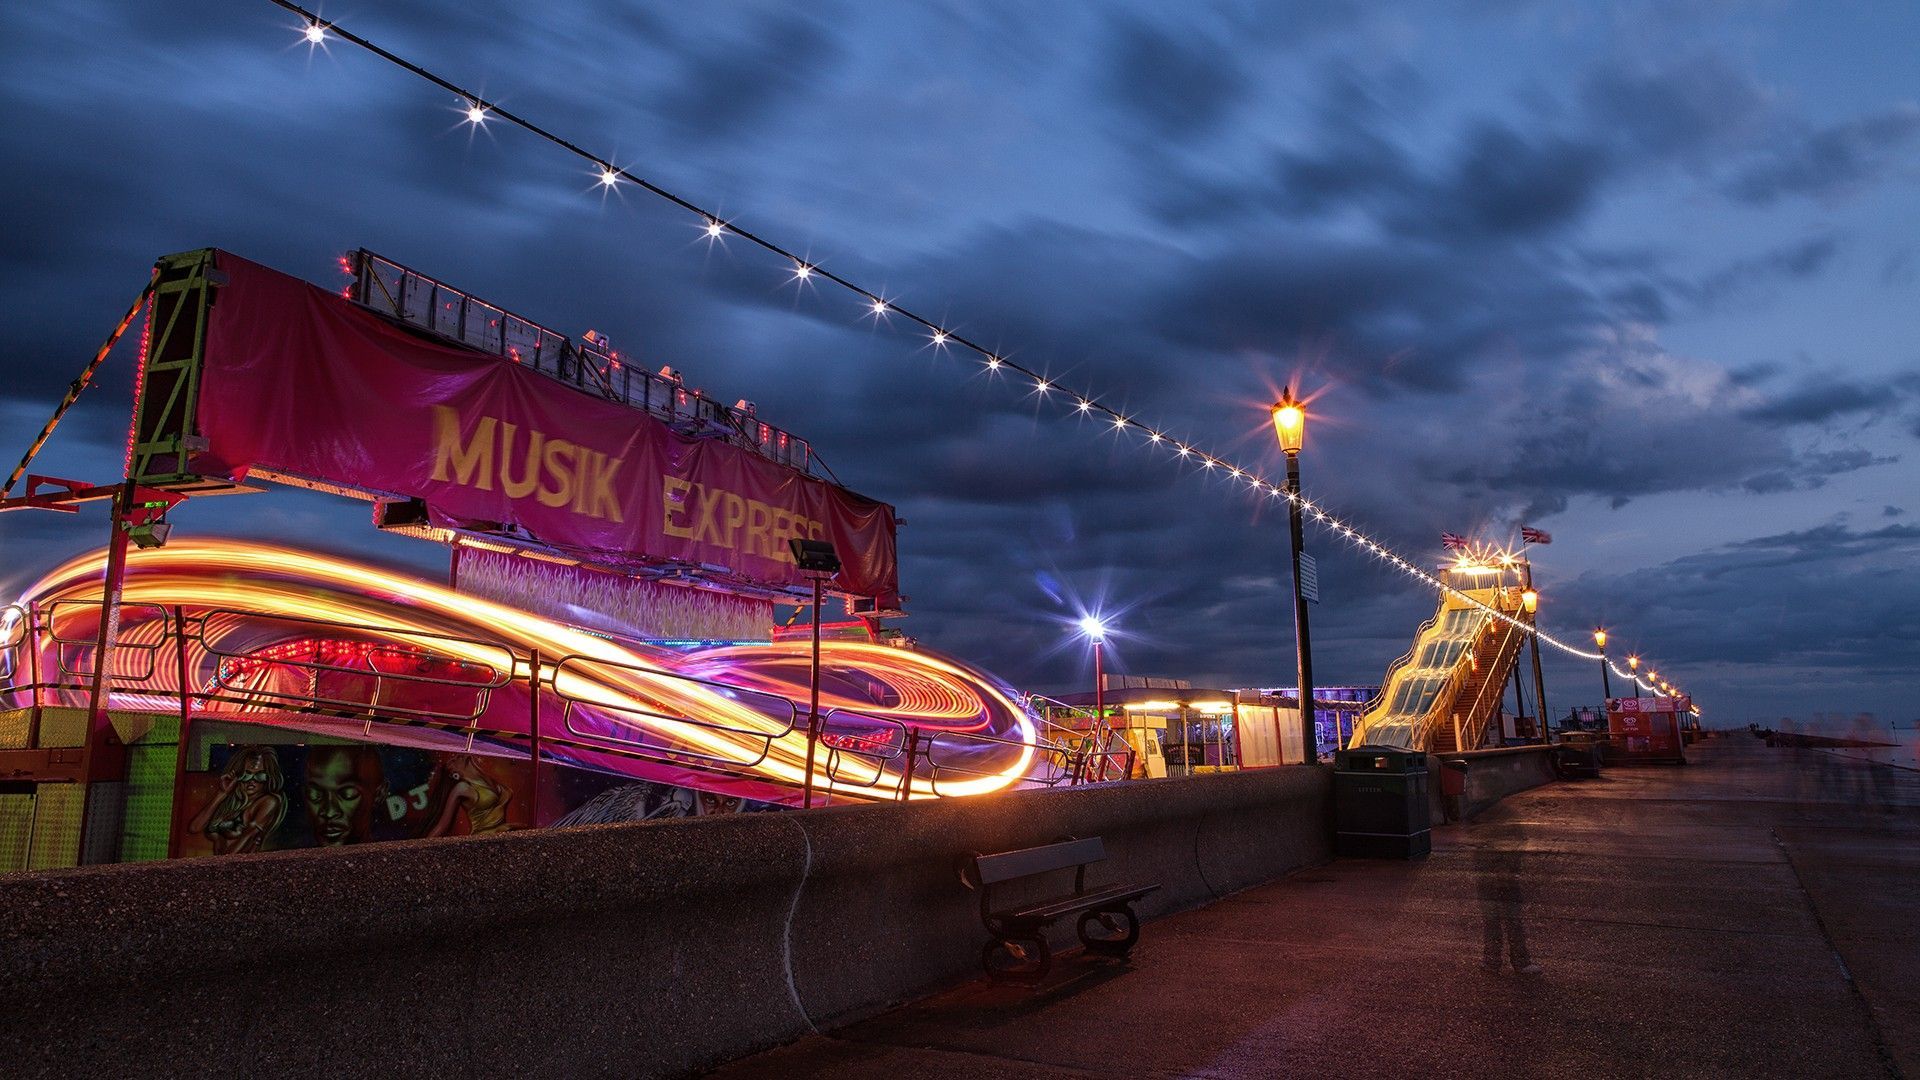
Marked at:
<point>479,111</point>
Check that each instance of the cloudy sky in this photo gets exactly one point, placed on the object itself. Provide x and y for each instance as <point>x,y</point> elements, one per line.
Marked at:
<point>1641,274</point>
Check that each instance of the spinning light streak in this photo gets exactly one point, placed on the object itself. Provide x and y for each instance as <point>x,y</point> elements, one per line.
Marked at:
<point>872,303</point>
<point>263,618</point>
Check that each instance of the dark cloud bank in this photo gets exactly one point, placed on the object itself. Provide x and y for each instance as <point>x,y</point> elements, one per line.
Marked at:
<point>1434,274</point>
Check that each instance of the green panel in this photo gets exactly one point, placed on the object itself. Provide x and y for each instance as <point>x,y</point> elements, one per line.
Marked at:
<point>56,826</point>
<point>63,727</point>
<point>16,828</point>
<point>148,819</point>
<point>167,388</point>
<point>15,726</point>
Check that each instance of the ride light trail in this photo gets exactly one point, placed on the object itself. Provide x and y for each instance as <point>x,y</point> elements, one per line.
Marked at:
<point>265,616</point>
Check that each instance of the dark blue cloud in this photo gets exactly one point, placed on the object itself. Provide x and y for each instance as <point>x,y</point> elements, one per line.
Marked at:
<point>1515,286</point>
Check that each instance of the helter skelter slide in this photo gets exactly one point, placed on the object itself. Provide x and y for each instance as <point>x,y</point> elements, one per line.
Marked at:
<point>619,543</point>
<point>1444,694</point>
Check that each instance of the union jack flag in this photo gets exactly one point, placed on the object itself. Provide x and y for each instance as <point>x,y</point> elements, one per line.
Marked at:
<point>1531,535</point>
<point>1452,541</point>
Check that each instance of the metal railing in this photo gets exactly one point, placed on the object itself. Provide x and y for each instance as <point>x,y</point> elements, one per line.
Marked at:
<point>1469,733</point>
<point>418,678</point>
<point>411,297</point>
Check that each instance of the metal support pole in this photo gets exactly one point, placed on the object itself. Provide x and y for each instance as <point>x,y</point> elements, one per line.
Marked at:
<point>1519,707</point>
<point>1096,732</point>
<point>1539,690</point>
<point>180,757</point>
<point>533,734</point>
<point>31,643</point>
<point>99,722</point>
<point>913,751</point>
<point>813,700</point>
<point>1606,683</point>
<point>1539,685</point>
<point>1302,645</point>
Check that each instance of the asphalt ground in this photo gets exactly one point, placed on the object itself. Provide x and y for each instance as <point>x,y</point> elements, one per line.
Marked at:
<point>1755,913</point>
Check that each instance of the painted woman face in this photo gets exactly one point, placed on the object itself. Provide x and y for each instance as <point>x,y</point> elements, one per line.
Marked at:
<point>339,800</point>
<point>253,777</point>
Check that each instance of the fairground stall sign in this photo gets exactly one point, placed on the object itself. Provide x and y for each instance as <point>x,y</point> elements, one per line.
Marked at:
<point>465,421</point>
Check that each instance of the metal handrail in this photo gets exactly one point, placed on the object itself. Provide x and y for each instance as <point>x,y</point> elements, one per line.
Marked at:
<point>763,736</point>
<point>1497,679</point>
<point>868,754</point>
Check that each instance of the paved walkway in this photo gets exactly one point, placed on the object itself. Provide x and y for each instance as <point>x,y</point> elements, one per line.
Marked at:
<point>1752,914</point>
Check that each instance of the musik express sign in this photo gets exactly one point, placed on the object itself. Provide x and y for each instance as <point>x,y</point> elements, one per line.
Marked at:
<point>302,382</point>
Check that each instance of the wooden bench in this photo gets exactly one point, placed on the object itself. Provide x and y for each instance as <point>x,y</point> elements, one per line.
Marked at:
<point>1019,951</point>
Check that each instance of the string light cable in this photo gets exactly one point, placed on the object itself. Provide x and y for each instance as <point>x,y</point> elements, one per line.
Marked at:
<point>479,110</point>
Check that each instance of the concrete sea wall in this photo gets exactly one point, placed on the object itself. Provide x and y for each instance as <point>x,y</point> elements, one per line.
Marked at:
<point>618,950</point>
<point>1491,776</point>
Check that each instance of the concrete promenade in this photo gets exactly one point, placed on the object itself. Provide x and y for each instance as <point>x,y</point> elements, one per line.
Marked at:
<point>1756,913</point>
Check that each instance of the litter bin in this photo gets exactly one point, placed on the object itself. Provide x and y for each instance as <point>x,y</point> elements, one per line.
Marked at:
<point>1577,756</point>
<point>1380,800</point>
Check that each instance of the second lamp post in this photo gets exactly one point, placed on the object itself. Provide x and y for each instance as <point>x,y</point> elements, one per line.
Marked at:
<point>1290,427</point>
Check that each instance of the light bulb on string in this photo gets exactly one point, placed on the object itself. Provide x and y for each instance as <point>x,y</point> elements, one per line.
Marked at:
<point>1083,405</point>
<point>877,307</point>
<point>714,228</point>
<point>939,337</point>
<point>317,33</point>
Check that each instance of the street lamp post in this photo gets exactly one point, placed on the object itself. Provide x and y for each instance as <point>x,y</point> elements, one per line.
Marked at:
<point>1290,427</point>
<point>1531,600</point>
<point>1096,630</point>
<point>818,560</point>
<point>1606,684</point>
<point>1633,668</point>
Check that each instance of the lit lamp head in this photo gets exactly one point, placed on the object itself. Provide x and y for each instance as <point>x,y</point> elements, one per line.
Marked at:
<point>1289,423</point>
<point>1600,639</point>
<point>1633,663</point>
<point>1094,627</point>
<point>1530,600</point>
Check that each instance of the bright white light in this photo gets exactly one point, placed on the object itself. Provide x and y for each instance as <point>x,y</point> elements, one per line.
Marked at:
<point>939,337</point>
<point>316,34</point>
<point>993,363</point>
<point>879,307</point>
<point>1083,405</point>
<point>1153,436</point>
<point>802,271</point>
<point>1185,450</point>
<point>1094,627</point>
<point>1041,386</point>
<point>714,228</point>
<point>476,113</point>
<point>1119,421</point>
<point>608,177</point>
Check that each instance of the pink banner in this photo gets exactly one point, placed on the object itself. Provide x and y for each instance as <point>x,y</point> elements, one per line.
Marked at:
<point>300,381</point>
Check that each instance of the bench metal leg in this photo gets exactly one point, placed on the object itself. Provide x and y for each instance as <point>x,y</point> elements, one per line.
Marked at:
<point>1017,959</point>
<point>1110,931</point>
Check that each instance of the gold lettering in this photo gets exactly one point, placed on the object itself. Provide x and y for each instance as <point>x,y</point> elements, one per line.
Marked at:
<point>559,454</point>
<point>473,462</point>
<point>523,487</point>
<point>673,500</point>
<point>601,501</point>
<point>756,542</point>
<point>706,525</point>
<point>734,516</point>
